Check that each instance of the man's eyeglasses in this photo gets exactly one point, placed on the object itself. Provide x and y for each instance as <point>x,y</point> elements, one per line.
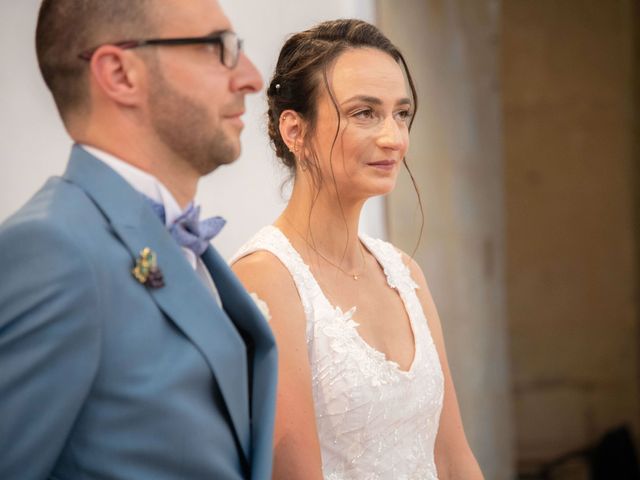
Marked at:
<point>230,45</point>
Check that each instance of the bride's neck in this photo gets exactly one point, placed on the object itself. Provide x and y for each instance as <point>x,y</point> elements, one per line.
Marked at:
<point>326,223</point>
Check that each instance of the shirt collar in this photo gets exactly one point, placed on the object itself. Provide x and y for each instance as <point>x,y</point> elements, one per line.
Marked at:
<point>141,181</point>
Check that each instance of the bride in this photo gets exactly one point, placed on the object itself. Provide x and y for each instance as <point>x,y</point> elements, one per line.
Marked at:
<point>364,387</point>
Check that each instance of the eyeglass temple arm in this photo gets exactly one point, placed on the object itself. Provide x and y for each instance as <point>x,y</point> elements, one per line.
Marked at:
<point>126,44</point>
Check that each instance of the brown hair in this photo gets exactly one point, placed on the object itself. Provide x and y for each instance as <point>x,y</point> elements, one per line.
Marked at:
<point>305,59</point>
<point>67,27</point>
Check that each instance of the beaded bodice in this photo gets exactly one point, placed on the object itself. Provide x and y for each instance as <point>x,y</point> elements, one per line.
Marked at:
<point>374,420</point>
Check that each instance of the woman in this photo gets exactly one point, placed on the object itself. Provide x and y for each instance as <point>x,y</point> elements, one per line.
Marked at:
<point>364,385</point>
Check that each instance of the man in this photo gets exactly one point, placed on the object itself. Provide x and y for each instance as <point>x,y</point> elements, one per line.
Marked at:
<point>126,353</point>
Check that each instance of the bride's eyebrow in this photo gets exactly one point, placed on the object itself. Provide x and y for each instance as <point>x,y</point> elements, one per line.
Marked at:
<point>375,100</point>
<point>363,98</point>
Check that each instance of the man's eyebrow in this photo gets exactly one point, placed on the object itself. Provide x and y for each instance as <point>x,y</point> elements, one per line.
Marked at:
<point>376,100</point>
<point>217,31</point>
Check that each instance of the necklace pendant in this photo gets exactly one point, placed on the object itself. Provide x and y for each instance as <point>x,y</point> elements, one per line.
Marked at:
<point>356,277</point>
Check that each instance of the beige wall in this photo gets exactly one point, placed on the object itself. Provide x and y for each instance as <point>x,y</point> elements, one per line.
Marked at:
<point>452,49</point>
<point>572,269</point>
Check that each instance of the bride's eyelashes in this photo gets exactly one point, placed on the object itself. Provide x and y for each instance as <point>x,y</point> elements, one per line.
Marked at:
<point>370,114</point>
<point>405,114</point>
<point>364,114</point>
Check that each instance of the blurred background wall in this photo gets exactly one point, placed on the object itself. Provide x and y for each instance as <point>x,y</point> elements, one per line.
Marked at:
<point>570,96</point>
<point>526,149</point>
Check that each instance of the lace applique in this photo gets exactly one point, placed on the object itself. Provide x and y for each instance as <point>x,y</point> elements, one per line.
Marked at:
<point>398,274</point>
<point>347,345</point>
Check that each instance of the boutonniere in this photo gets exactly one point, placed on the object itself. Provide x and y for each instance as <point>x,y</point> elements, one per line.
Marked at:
<point>146,270</point>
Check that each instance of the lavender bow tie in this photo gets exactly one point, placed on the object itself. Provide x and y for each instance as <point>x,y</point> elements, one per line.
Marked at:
<point>188,230</point>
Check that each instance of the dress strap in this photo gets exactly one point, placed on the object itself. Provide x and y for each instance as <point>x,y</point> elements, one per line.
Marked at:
<point>397,273</point>
<point>272,240</point>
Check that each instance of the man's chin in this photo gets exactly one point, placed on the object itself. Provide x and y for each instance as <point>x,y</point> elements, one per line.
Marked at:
<point>232,152</point>
<point>223,157</point>
<point>228,161</point>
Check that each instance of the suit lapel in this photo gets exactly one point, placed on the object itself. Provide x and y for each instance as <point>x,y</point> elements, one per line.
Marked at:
<point>248,319</point>
<point>184,298</point>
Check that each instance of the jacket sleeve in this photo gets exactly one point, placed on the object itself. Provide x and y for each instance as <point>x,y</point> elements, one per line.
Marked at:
<point>49,343</point>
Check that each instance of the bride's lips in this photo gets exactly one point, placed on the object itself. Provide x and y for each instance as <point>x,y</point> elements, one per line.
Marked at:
<point>385,165</point>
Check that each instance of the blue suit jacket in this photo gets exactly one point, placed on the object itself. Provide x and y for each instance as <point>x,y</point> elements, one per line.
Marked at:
<point>104,378</point>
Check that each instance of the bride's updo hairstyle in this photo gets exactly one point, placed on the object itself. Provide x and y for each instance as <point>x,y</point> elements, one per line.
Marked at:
<point>303,64</point>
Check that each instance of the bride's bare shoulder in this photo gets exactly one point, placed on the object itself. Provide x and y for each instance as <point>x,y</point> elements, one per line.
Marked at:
<point>258,261</point>
<point>261,264</point>
<point>262,272</point>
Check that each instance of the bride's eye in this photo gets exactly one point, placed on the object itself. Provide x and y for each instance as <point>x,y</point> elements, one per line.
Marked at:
<point>364,114</point>
<point>404,115</point>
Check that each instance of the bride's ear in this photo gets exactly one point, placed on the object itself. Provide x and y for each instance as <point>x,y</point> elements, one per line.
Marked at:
<point>292,130</point>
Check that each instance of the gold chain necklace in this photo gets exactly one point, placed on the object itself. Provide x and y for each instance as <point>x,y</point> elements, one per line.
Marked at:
<point>355,276</point>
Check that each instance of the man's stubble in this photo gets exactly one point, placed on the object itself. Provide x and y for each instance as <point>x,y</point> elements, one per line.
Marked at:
<point>187,129</point>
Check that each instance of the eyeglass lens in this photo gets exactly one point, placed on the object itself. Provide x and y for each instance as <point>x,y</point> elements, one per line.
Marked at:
<point>231,46</point>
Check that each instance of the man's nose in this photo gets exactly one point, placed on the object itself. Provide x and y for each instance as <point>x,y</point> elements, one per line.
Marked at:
<point>246,78</point>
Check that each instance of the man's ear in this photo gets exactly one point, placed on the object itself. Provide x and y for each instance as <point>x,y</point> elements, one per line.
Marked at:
<point>119,74</point>
<point>292,129</point>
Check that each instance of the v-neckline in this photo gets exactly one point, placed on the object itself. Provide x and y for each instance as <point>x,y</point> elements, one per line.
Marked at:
<point>374,352</point>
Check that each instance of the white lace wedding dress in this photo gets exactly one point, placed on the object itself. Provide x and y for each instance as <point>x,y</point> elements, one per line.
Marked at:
<point>375,421</point>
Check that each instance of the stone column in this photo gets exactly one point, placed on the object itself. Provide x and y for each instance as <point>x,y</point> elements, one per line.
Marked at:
<point>452,48</point>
